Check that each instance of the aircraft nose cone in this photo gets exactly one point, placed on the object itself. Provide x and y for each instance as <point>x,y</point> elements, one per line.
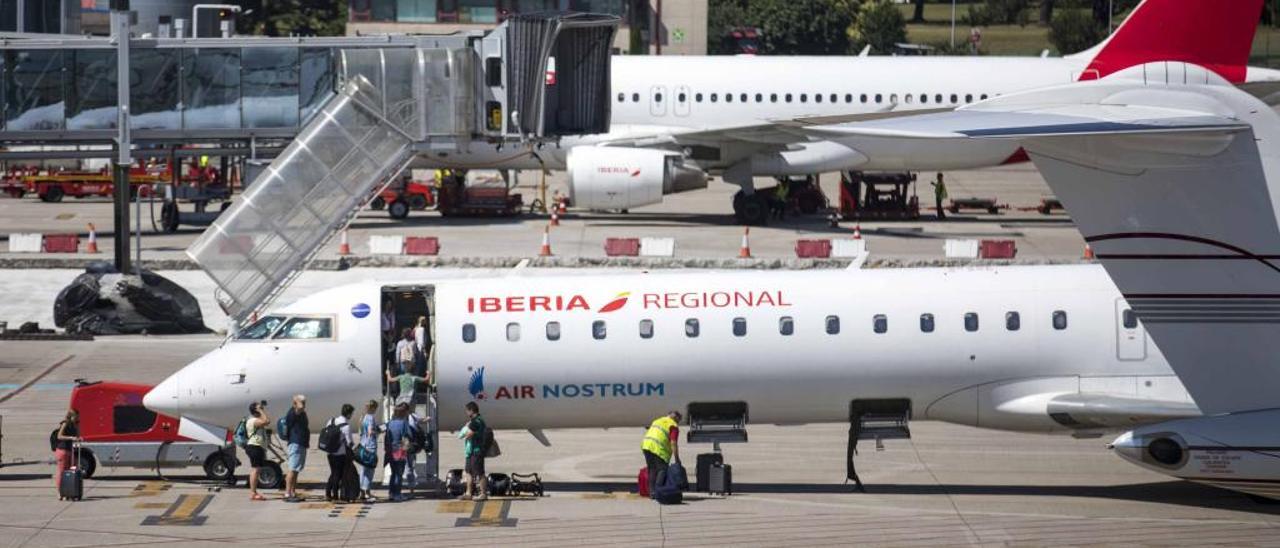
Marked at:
<point>163,399</point>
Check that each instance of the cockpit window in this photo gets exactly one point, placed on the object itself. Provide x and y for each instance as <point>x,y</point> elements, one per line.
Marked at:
<point>306,328</point>
<point>260,329</point>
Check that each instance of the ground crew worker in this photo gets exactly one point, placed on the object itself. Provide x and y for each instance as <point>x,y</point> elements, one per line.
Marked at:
<point>939,196</point>
<point>779,203</point>
<point>661,444</point>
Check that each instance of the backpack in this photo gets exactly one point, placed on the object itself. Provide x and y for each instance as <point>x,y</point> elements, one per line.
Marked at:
<point>491,448</point>
<point>419,441</point>
<point>331,437</point>
<point>241,436</point>
<point>667,490</point>
<point>282,428</point>
<point>53,438</point>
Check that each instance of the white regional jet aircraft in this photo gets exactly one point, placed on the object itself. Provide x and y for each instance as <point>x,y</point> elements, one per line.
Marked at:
<point>1172,175</point>
<point>676,119</point>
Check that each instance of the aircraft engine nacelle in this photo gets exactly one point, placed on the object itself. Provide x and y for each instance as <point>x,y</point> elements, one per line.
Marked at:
<point>603,177</point>
<point>1234,451</point>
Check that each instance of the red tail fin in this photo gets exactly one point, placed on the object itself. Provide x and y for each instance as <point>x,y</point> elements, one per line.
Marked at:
<point>1215,34</point>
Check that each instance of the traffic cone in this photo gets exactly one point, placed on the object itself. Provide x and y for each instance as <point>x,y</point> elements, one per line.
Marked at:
<point>546,243</point>
<point>857,231</point>
<point>555,216</point>
<point>744,252</point>
<point>344,246</point>
<point>93,240</point>
<point>1088,252</point>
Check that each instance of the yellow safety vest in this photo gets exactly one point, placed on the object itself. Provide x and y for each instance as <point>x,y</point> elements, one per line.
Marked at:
<point>657,440</point>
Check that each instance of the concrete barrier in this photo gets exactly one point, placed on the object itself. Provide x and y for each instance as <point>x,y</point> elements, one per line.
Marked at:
<point>61,243</point>
<point>657,247</point>
<point>421,245</point>
<point>386,245</point>
<point>960,249</point>
<point>26,243</point>
<point>813,249</point>
<point>998,249</point>
<point>622,247</point>
<point>847,248</point>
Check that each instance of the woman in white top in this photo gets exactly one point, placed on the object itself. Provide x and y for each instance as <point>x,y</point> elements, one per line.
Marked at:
<point>340,459</point>
<point>256,427</point>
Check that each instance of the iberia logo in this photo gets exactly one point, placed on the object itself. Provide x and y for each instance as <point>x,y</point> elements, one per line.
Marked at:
<point>618,302</point>
<point>476,386</point>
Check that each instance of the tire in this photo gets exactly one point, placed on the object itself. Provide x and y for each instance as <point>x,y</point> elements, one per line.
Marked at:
<point>378,204</point>
<point>417,201</point>
<point>88,463</point>
<point>751,210</point>
<point>220,466</point>
<point>53,195</point>
<point>398,209</point>
<point>271,476</point>
<point>169,217</point>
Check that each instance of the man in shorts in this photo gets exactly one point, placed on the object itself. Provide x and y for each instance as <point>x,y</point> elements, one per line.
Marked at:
<point>299,431</point>
<point>475,434</point>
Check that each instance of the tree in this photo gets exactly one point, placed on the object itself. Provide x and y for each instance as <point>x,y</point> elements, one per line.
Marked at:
<point>1046,12</point>
<point>1075,30</point>
<point>802,27</point>
<point>879,25</point>
<point>722,17</point>
<point>292,17</point>
<point>918,16</point>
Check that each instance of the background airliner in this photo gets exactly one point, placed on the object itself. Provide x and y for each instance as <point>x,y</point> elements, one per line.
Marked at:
<point>677,119</point>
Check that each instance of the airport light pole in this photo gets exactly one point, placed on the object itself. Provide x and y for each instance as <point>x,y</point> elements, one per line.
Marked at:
<point>120,164</point>
<point>953,24</point>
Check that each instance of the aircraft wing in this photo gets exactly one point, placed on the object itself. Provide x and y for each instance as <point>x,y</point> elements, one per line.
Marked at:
<point>1175,187</point>
<point>779,132</point>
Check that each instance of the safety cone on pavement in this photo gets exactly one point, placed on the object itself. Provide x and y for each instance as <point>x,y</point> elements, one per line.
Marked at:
<point>93,240</point>
<point>857,231</point>
<point>344,246</point>
<point>1088,252</point>
<point>546,243</point>
<point>744,252</point>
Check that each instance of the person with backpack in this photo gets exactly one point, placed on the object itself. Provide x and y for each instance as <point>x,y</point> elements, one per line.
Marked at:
<point>336,441</point>
<point>396,447</point>
<point>63,442</point>
<point>477,438</point>
<point>660,446</point>
<point>255,444</point>
<point>367,452</point>
<point>297,431</point>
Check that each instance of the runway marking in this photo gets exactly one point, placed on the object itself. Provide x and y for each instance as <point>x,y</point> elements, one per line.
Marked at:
<point>37,378</point>
<point>355,510</point>
<point>488,513</point>
<point>65,216</point>
<point>454,507</point>
<point>150,489</point>
<point>613,496</point>
<point>316,505</point>
<point>184,511</point>
<point>151,505</point>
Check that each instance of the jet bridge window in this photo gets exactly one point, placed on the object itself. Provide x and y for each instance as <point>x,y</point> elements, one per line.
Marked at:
<point>468,332</point>
<point>306,328</point>
<point>1012,321</point>
<point>598,331</point>
<point>786,326</point>
<point>260,329</point>
<point>971,321</point>
<point>880,323</point>
<point>513,332</point>
<point>691,328</point>
<point>646,329</point>
<point>926,323</point>
<point>833,325</point>
<point>1059,319</point>
<point>553,331</point>
<point>739,327</point>
<point>1129,319</point>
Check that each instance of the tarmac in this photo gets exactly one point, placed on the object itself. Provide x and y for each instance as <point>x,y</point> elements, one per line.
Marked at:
<point>948,485</point>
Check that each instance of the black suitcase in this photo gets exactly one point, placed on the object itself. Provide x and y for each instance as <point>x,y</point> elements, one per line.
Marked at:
<point>720,480</point>
<point>71,485</point>
<point>349,485</point>
<point>703,469</point>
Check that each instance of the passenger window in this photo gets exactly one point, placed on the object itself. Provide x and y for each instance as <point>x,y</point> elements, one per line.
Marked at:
<point>804,97</point>
<point>1130,319</point>
<point>691,327</point>
<point>880,323</point>
<point>646,329</point>
<point>788,97</point>
<point>682,97</point>
<point>863,97</point>
<point>817,97</point>
<point>622,97</point>
<point>926,323</point>
<point>553,331</point>
<point>598,330</point>
<point>739,327</point>
<point>260,329</point>
<point>742,97</point>
<point>728,97</point>
<point>697,97</point>
<point>786,326</point>
<point>971,321</point>
<point>759,97</point>
<point>968,98</point>
<point>132,419</point>
<point>1059,319</point>
<point>657,97</point>
<point>468,332</point>
<point>893,98</point>
<point>907,97</point>
<point>848,98</point>
<point>1012,321</point>
<point>954,99</point>
<point>635,97</point>
<point>513,332</point>
<point>984,97</point>
<point>937,98</point>
<point>773,97</point>
<point>833,325</point>
<point>714,97</point>
<point>306,328</point>
<point>878,98</point>
<point>924,98</point>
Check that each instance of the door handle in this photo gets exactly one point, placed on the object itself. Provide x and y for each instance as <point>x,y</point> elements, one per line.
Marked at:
<point>351,365</point>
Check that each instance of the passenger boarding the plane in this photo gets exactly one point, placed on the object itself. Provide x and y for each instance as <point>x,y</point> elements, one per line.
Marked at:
<point>421,345</point>
<point>660,446</point>
<point>405,351</point>
<point>407,383</point>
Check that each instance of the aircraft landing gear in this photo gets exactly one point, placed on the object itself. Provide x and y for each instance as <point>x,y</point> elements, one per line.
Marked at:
<point>751,209</point>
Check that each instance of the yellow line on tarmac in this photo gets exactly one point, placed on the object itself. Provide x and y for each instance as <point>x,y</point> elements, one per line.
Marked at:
<point>187,506</point>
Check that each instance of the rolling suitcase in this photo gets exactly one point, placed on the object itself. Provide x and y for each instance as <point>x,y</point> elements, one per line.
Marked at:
<point>720,479</point>
<point>642,482</point>
<point>349,486</point>
<point>703,469</point>
<point>71,485</point>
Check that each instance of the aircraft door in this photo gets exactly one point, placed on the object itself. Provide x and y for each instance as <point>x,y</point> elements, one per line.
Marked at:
<point>1131,337</point>
<point>658,100</point>
<point>682,99</point>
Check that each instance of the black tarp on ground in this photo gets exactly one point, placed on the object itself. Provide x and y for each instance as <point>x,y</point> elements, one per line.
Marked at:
<point>104,302</point>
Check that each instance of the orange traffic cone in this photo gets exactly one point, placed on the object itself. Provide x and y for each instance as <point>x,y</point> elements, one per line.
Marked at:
<point>555,216</point>
<point>857,231</point>
<point>744,252</point>
<point>1088,252</point>
<point>546,243</point>
<point>344,246</point>
<point>93,240</point>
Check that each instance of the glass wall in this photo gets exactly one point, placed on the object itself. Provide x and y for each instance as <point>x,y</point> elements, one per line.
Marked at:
<point>269,87</point>
<point>34,89</point>
<point>211,88</point>
<point>91,104</point>
<point>8,15</point>
<point>469,11</point>
<point>155,89</point>
<point>317,80</point>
